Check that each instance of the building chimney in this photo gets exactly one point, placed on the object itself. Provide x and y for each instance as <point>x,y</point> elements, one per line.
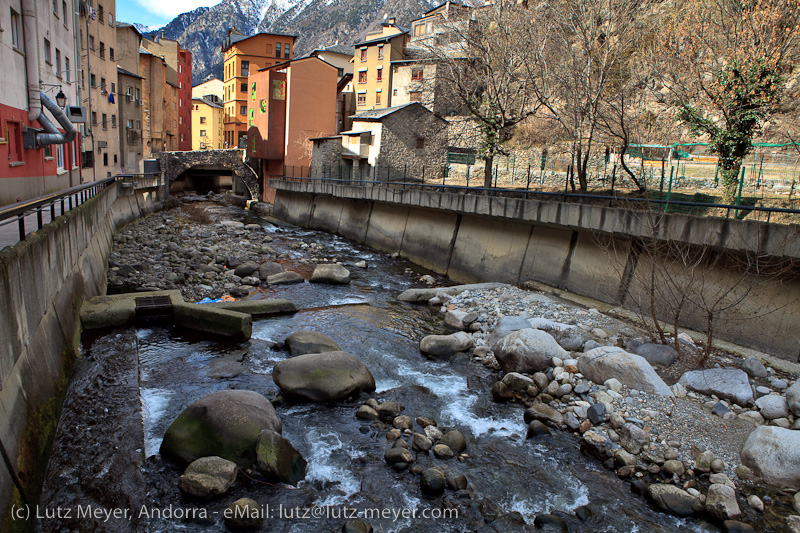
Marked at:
<point>391,20</point>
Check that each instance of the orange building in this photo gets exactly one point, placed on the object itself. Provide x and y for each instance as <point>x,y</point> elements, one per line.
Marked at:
<point>289,104</point>
<point>244,55</point>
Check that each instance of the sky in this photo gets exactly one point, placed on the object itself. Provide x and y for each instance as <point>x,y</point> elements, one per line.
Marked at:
<point>156,12</point>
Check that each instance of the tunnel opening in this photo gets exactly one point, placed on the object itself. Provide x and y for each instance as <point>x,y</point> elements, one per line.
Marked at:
<point>201,180</point>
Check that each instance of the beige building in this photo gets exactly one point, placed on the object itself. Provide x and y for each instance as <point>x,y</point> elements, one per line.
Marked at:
<point>207,132</point>
<point>211,87</point>
<point>98,79</point>
<point>372,66</point>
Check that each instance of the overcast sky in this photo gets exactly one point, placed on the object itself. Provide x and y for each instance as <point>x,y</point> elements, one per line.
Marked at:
<point>156,12</point>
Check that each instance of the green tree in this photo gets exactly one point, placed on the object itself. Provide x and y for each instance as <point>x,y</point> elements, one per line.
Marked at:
<point>722,65</point>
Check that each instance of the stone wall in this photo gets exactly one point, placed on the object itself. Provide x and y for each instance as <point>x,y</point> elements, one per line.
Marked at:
<point>412,138</point>
<point>326,158</point>
<point>588,250</point>
<point>43,280</point>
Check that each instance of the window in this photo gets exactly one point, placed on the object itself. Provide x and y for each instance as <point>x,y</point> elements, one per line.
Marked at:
<point>94,118</point>
<point>101,14</point>
<point>180,69</point>
<point>202,133</point>
<point>420,143</point>
<point>180,121</point>
<point>377,98</point>
<point>60,156</point>
<point>66,69</point>
<point>363,54</point>
<point>105,159</point>
<point>113,121</point>
<point>362,76</point>
<point>243,88</point>
<point>394,92</point>
<point>16,30</point>
<point>111,54</point>
<point>64,10</point>
<point>277,49</point>
<point>202,120</point>
<point>243,110</point>
<point>47,58</point>
<point>102,85</point>
<point>245,68</point>
<point>55,7</point>
<point>105,121</point>
<point>92,80</point>
<point>380,52</point>
<point>113,88</point>
<point>102,50</point>
<point>14,141</point>
<point>91,42</point>
<point>415,96</point>
<point>416,74</point>
<point>362,99</point>
<point>286,53</point>
<point>380,74</point>
<point>58,62</point>
<point>138,124</point>
<point>111,22</point>
<point>180,85</point>
<point>130,123</point>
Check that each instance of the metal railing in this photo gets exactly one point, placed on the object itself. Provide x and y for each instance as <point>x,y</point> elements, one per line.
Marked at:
<point>66,200</point>
<point>656,204</point>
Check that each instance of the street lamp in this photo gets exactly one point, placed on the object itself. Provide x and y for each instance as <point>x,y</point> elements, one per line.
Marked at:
<point>61,99</point>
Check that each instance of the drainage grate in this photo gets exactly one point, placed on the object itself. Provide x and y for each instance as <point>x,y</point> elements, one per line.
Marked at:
<point>153,308</point>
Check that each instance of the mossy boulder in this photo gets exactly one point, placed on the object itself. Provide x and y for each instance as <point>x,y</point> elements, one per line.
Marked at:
<point>224,424</point>
<point>323,377</point>
<point>278,460</point>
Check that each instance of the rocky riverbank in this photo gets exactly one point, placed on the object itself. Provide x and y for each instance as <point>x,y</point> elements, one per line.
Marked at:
<point>721,441</point>
<point>637,406</point>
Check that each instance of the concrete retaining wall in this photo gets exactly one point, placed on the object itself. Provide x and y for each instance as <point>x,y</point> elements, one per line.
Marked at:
<point>42,283</point>
<point>583,249</point>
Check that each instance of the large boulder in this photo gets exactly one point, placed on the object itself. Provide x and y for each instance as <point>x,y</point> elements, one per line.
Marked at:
<point>285,278</point>
<point>458,319</point>
<point>305,341</point>
<point>268,269</point>
<point>446,345</point>
<point>527,350</point>
<point>504,327</point>
<point>773,454</point>
<point>657,354</point>
<point>633,371</point>
<point>208,477</point>
<point>246,269</point>
<point>773,406</point>
<point>333,274</point>
<point>721,502</point>
<point>793,398</point>
<point>323,377</point>
<point>673,499</point>
<point>278,460</point>
<point>727,383</point>
<point>225,424</point>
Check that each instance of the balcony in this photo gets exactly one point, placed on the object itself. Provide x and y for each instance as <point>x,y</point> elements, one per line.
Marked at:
<point>355,151</point>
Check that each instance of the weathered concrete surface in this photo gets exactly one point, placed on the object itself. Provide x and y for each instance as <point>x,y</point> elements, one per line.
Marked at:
<point>258,307</point>
<point>580,248</point>
<point>43,280</point>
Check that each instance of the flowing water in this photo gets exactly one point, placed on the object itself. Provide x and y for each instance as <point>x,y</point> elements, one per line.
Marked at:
<point>133,382</point>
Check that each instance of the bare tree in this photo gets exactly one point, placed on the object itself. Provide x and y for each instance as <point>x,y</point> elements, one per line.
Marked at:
<point>484,68</point>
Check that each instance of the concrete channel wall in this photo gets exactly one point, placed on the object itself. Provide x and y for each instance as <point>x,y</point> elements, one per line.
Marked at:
<point>43,281</point>
<point>590,250</point>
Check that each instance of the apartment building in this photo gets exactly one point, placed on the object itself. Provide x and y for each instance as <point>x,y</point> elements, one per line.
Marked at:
<point>291,103</point>
<point>43,59</point>
<point>212,87</point>
<point>129,97</point>
<point>98,79</point>
<point>207,130</point>
<point>243,55</point>
<point>372,65</point>
<point>179,76</point>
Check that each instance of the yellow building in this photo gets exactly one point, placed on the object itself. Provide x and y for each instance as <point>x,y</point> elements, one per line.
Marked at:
<point>207,127</point>
<point>372,66</point>
<point>243,55</point>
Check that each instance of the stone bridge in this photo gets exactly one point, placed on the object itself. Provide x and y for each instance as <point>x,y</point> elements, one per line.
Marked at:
<point>174,164</point>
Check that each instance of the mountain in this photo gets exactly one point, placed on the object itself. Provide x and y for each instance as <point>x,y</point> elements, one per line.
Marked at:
<point>316,23</point>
